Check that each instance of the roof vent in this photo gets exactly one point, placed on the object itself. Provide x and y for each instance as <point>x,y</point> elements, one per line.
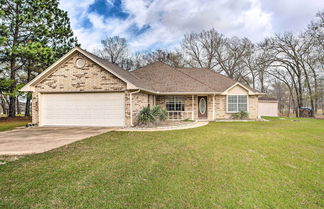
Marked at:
<point>80,63</point>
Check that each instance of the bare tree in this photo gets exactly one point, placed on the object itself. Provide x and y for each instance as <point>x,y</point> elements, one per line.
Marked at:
<point>174,58</point>
<point>200,49</point>
<point>115,50</point>
<point>281,92</point>
<point>231,59</point>
<point>295,55</point>
<point>256,61</point>
<point>315,58</point>
<point>211,50</point>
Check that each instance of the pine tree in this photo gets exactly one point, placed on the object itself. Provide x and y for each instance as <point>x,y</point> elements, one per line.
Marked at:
<point>33,35</point>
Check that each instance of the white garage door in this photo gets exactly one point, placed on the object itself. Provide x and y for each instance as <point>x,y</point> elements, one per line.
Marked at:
<point>82,109</point>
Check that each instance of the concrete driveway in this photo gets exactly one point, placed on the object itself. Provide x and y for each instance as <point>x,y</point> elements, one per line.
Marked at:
<point>41,139</point>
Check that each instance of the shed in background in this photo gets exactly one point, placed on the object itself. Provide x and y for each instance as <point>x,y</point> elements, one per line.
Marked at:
<point>268,106</point>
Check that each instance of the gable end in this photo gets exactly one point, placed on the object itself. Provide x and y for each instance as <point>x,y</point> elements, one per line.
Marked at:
<point>68,77</point>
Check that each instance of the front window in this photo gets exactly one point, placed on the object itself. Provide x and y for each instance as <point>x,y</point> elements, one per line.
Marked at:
<point>174,103</point>
<point>236,103</point>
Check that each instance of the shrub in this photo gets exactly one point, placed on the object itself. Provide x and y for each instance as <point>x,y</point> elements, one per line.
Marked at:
<point>241,115</point>
<point>148,116</point>
<point>159,113</point>
<point>145,116</point>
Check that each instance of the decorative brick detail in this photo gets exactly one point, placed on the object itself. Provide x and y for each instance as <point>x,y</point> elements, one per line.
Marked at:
<point>69,78</point>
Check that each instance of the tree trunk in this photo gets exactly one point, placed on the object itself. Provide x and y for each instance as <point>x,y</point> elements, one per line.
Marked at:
<point>12,106</point>
<point>289,106</point>
<point>27,108</point>
<point>3,106</point>
<point>18,106</point>
<point>12,99</point>
<point>311,95</point>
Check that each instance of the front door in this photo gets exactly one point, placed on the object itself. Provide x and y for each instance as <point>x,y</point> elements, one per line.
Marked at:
<point>202,107</point>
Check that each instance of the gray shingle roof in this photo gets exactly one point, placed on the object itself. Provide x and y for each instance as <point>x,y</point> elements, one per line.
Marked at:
<point>216,81</point>
<point>119,71</point>
<point>164,78</point>
<point>160,77</point>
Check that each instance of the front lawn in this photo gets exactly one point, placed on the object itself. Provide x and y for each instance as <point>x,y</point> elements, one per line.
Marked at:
<point>276,164</point>
<point>11,123</point>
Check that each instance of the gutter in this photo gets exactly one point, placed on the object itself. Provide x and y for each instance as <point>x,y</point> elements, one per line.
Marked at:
<point>189,93</point>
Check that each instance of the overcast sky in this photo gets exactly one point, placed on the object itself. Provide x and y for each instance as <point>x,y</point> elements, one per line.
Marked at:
<point>151,24</point>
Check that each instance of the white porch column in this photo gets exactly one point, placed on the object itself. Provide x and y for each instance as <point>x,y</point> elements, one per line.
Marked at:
<point>193,107</point>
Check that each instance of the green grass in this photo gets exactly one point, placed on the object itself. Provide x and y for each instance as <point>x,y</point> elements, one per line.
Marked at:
<point>276,164</point>
<point>11,124</point>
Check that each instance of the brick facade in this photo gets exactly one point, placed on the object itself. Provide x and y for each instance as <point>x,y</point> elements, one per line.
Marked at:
<point>253,107</point>
<point>219,109</point>
<point>66,77</point>
<point>69,78</point>
<point>140,100</point>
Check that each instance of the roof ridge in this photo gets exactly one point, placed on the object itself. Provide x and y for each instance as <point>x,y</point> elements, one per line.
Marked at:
<point>204,68</point>
<point>102,59</point>
<point>194,77</point>
<point>152,63</point>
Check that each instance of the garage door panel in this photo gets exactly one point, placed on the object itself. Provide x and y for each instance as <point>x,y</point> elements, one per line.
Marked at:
<point>83,109</point>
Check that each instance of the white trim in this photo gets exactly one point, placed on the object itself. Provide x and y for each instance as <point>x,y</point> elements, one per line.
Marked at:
<point>247,102</point>
<point>268,101</point>
<point>183,93</point>
<point>40,105</point>
<point>178,115</point>
<point>41,76</point>
<point>206,109</point>
<point>241,85</point>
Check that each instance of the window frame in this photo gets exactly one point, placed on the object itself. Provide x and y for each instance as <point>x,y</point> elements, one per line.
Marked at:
<point>176,101</point>
<point>237,103</point>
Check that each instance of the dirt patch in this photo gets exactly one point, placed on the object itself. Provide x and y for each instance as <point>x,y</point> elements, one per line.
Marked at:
<point>9,119</point>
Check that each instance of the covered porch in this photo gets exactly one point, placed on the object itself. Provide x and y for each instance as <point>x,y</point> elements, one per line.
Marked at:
<point>188,107</point>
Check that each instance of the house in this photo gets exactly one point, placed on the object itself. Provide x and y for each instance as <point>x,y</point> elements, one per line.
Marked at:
<point>81,89</point>
<point>268,106</point>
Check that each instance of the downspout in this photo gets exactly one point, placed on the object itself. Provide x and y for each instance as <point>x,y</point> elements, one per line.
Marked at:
<point>131,105</point>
